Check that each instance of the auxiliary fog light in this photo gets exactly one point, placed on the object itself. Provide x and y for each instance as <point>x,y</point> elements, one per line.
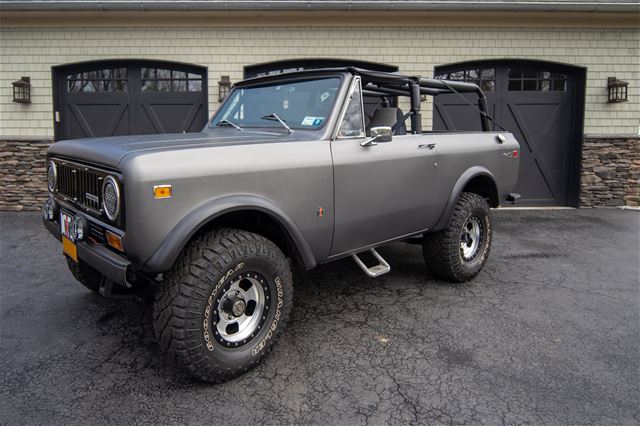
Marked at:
<point>79,228</point>
<point>49,210</point>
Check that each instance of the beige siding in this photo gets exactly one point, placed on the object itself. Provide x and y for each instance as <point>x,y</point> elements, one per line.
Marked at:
<point>32,52</point>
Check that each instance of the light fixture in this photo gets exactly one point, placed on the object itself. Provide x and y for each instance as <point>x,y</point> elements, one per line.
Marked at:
<point>617,90</point>
<point>22,90</point>
<point>224,86</point>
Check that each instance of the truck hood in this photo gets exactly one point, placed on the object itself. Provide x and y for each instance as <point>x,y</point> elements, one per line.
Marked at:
<point>109,151</point>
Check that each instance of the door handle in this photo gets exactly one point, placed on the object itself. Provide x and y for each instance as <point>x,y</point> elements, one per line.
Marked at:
<point>427,145</point>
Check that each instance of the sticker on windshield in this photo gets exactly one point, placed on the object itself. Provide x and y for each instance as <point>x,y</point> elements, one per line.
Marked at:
<point>312,121</point>
<point>285,104</point>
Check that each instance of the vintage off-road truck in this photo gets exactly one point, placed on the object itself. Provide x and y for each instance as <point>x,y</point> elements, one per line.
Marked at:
<point>293,170</point>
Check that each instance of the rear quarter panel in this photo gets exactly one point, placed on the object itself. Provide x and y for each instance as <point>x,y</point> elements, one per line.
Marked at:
<point>459,152</point>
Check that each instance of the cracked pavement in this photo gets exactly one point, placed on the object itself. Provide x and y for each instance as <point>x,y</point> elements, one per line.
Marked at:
<point>548,333</point>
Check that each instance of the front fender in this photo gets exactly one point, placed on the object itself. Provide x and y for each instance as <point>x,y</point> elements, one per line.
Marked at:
<point>162,259</point>
<point>462,181</point>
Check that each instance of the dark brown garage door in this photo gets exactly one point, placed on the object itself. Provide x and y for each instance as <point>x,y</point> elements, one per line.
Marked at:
<point>110,98</point>
<point>542,104</point>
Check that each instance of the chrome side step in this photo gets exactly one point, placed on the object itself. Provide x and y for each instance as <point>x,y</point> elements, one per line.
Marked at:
<point>374,271</point>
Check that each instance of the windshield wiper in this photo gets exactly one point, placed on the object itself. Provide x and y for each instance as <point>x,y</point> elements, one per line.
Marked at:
<point>274,117</point>
<point>225,122</point>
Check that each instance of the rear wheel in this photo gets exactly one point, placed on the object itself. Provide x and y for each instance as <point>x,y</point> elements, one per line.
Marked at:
<point>459,252</point>
<point>223,304</point>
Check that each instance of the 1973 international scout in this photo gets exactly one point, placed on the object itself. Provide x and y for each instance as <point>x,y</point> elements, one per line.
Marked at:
<point>293,170</point>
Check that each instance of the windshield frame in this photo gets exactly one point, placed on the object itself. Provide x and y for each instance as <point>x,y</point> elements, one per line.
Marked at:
<point>337,103</point>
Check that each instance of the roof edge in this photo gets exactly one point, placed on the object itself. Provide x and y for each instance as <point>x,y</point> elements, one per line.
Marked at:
<point>321,5</point>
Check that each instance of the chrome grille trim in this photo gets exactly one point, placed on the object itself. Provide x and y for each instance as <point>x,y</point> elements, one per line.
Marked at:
<point>80,185</point>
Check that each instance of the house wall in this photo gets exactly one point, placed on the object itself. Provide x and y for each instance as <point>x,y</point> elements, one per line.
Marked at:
<point>28,50</point>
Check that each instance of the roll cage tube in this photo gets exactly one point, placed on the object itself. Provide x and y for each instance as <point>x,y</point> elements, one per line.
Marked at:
<point>374,82</point>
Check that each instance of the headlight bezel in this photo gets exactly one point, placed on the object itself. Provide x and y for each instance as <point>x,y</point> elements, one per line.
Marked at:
<point>116,186</point>
<point>52,166</point>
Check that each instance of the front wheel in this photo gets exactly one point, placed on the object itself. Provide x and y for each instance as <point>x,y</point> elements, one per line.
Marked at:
<point>459,252</point>
<point>223,304</point>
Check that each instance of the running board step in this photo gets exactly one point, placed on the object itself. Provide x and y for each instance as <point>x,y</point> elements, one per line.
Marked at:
<point>374,271</point>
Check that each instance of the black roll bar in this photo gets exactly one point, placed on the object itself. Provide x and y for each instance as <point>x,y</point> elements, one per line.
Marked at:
<point>412,86</point>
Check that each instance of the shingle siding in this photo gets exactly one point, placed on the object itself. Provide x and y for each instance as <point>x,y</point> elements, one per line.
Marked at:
<point>417,50</point>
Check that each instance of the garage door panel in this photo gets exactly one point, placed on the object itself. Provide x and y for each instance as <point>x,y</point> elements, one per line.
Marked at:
<point>454,115</point>
<point>91,120</point>
<point>524,120</point>
<point>535,101</point>
<point>537,187</point>
<point>171,117</point>
<point>109,98</point>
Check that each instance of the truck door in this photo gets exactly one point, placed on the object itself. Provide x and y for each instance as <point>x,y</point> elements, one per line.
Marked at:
<point>382,191</point>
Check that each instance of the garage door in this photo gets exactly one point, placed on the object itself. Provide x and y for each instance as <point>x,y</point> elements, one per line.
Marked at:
<point>542,104</point>
<point>110,98</point>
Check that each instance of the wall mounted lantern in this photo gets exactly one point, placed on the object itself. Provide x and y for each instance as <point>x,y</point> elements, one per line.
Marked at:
<point>617,90</point>
<point>22,90</point>
<point>224,86</point>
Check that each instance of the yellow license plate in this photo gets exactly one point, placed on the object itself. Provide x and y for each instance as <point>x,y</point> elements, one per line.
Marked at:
<point>69,248</point>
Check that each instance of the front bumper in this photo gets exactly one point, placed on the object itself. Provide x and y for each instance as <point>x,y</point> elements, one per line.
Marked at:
<point>99,257</point>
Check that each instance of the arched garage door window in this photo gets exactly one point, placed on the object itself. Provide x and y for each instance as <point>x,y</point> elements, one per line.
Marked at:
<point>110,98</point>
<point>542,103</point>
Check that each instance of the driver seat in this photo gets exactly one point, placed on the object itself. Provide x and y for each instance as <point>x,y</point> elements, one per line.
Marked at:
<point>389,117</point>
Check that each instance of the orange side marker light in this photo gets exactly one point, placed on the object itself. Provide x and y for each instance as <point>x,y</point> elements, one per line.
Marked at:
<point>162,191</point>
<point>114,241</point>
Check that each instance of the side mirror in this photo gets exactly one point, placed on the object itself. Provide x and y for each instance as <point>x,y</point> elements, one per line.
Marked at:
<point>379,134</point>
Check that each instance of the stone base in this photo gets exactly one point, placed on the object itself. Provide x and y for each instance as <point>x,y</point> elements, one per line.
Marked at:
<point>23,181</point>
<point>610,172</point>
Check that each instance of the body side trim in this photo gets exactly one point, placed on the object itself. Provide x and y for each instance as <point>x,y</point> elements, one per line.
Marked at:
<point>374,245</point>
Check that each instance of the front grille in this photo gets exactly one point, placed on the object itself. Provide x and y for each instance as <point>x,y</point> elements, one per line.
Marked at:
<point>81,185</point>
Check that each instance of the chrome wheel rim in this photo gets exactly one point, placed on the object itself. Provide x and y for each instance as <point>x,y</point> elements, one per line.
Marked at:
<point>471,238</point>
<point>241,309</point>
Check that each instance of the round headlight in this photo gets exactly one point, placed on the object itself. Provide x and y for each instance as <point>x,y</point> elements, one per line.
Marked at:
<point>111,197</point>
<point>49,210</point>
<point>52,176</point>
<point>79,228</point>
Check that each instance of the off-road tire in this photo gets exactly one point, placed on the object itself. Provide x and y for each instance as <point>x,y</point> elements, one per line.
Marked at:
<point>188,302</point>
<point>442,250</point>
<point>85,274</point>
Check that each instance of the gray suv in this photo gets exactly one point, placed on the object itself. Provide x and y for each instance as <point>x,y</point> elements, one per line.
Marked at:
<point>293,170</point>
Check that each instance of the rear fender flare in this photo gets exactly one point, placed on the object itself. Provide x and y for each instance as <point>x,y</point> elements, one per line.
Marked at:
<point>457,190</point>
<point>165,255</point>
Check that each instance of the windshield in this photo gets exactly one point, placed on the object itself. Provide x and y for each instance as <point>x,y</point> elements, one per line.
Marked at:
<point>300,104</point>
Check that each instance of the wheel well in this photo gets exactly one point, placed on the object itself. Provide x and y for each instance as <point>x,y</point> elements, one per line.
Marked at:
<point>260,223</point>
<point>484,186</point>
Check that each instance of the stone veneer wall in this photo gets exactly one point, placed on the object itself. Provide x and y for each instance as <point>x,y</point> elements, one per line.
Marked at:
<point>610,172</point>
<point>23,183</point>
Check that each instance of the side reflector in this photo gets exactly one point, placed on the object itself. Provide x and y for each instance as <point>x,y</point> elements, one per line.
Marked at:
<point>515,153</point>
<point>114,241</point>
<point>162,191</point>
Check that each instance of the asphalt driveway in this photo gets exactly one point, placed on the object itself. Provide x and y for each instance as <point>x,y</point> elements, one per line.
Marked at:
<point>548,333</point>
